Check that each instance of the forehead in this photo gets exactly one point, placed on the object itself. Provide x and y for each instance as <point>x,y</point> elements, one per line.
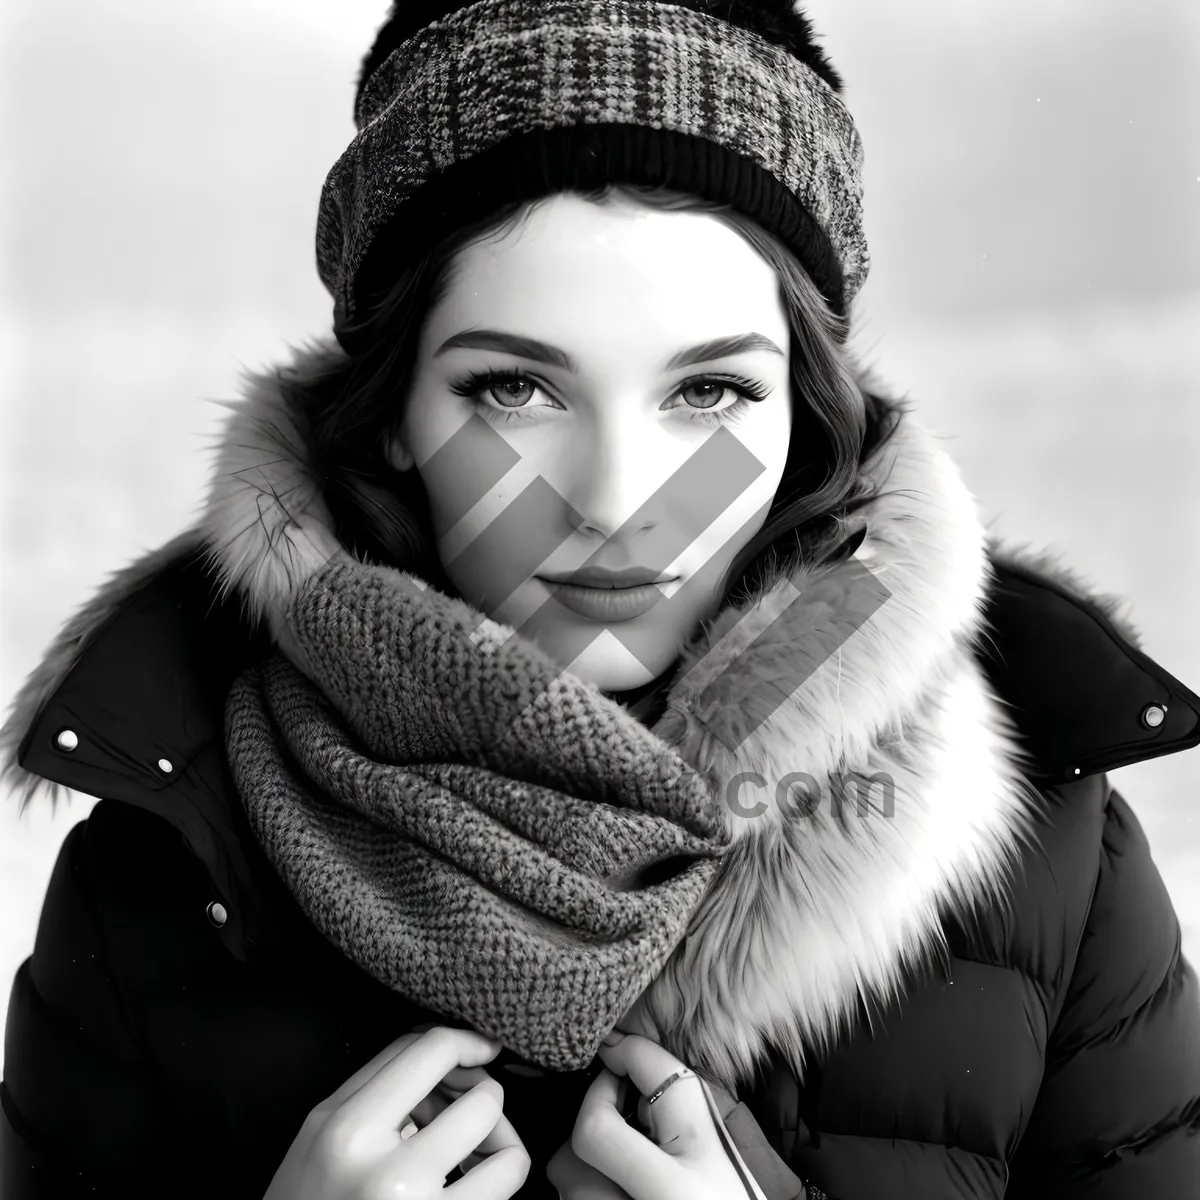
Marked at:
<point>617,273</point>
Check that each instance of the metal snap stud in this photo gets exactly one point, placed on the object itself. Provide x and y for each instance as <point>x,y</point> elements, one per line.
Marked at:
<point>216,913</point>
<point>164,765</point>
<point>1153,715</point>
<point>66,739</point>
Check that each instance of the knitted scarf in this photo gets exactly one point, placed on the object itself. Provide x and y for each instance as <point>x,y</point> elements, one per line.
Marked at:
<point>485,834</point>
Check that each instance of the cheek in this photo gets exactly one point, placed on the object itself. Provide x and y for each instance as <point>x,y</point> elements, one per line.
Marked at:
<point>768,438</point>
<point>455,456</point>
<point>427,425</point>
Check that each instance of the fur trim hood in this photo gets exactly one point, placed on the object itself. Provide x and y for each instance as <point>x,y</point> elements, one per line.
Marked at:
<point>796,930</point>
<point>922,805</point>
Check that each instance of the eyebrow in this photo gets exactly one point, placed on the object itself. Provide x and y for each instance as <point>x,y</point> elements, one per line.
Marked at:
<point>526,347</point>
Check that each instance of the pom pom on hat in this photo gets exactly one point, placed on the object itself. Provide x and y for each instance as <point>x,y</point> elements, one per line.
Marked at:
<point>778,21</point>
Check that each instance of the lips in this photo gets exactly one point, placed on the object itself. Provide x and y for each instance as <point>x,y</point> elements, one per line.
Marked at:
<point>608,596</point>
<point>604,577</point>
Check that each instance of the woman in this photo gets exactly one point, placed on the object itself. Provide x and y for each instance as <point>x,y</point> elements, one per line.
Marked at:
<point>581,643</point>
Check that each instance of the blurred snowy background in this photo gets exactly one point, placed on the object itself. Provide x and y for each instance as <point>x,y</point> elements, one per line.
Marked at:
<point>1033,207</point>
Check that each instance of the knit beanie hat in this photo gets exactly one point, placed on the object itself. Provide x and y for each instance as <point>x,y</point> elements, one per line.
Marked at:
<point>463,109</point>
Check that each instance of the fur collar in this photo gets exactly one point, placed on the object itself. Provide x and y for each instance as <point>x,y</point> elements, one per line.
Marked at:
<point>812,915</point>
<point>815,918</point>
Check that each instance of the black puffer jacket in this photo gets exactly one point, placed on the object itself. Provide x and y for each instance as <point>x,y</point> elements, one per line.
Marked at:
<point>144,1042</point>
<point>157,1044</point>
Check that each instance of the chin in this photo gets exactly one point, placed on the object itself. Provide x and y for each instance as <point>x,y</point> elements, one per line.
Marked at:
<point>607,664</point>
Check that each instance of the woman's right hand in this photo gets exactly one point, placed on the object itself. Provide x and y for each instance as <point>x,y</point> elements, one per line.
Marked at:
<point>351,1146</point>
<point>681,1156</point>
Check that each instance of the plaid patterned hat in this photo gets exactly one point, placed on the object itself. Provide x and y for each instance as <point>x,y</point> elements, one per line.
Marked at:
<point>460,110</point>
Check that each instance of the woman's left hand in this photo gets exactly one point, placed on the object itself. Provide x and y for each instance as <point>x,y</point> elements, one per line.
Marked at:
<point>607,1159</point>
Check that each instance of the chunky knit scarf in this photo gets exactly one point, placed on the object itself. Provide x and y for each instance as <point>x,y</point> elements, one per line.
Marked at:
<point>492,838</point>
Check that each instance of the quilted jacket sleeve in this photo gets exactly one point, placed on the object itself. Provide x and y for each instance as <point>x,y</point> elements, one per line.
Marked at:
<point>1118,1113</point>
<point>80,1116</point>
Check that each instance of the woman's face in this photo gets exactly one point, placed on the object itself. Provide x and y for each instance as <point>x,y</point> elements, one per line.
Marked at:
<point>571,408</point>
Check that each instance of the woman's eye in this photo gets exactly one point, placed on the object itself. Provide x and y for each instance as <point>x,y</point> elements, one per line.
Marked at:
<point>499,390</point>
<point>708,393</point>
<point>701,398</point>
<point>512,393</point>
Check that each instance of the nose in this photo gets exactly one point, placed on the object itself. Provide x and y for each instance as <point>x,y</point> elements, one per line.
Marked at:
<point>612,478</point>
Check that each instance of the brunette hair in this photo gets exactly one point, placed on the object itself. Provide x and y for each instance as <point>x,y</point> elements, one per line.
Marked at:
<point>382,515</point>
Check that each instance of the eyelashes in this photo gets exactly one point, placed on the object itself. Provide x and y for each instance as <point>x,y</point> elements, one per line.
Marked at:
<point>473,386</point>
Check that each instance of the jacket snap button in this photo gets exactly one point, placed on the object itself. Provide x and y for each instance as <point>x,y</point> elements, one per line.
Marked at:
<point>217,914</point>
<point>67,739</point>
<point>164,765</point>
<point>1153,715</point>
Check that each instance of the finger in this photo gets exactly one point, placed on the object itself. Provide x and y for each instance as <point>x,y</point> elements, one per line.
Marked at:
<point>496,1178</point>
<point>368,1070</point>
<point>424,1112</point>
<point>502,1136</point>
<point>458,1080</point>
<point>402,1082</point>
<point>462,1127</point>
<point>456,1083</point>
<point>463,1079</point>
<point>679,1119</point>
<point>603,1140</point>
<point>646,1063</point>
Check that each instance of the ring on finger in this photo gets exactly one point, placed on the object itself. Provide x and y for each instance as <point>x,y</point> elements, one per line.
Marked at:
<point>686,1073</point>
